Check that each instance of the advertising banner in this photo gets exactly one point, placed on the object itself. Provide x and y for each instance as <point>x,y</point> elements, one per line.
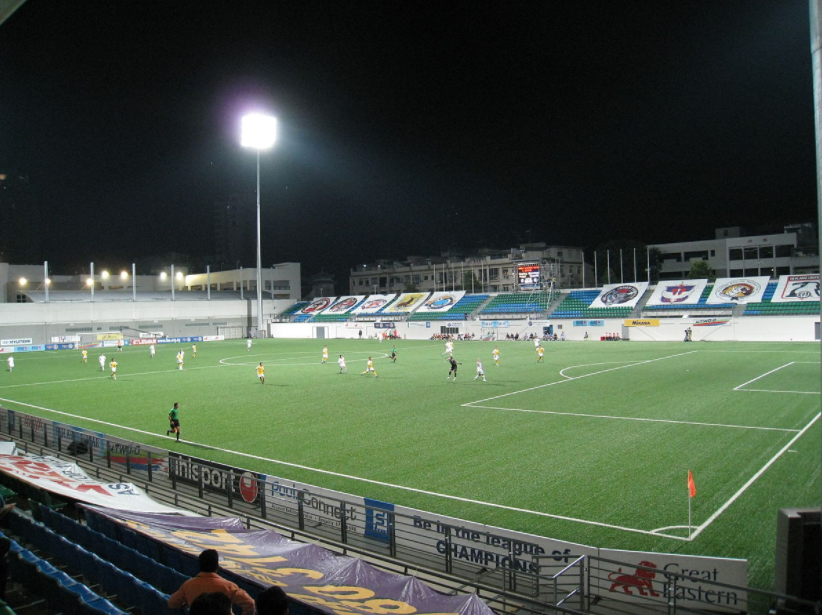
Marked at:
<point>650,578</point>
<point>495,324</point>
<point>679,292</point>
<point>307,572</point>
<point>145,341</point>
<point>738,290</point>
<point>343,305</point>
<point>797,288</point>
<point>12,349</point>
<point>406,303</point>
<point>441,301</point>
<point>214,476</point>
<point>179,340</point>
<point>589,323</point>
<point>374,304</point>
<point>641,322</point>
<point>317,305</point>
<point>213,338</point>
<point>102,337</point>
<point>68,480</point>
<point>20,341</point>
<point>60,339</point>
<point>620,295</point>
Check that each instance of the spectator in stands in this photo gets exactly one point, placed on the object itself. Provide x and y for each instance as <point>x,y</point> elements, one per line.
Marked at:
<point>5,546</point>
<point>272,601</point>
<point>213,603</point>
<point>209,581</point>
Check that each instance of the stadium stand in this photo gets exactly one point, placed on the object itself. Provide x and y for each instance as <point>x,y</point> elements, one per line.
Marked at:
<point>790,308</point>
<point>289,311</point>
<point>518,303</point>
<point>460,311</point>
<point>339,317</point>
<point>575,305</point>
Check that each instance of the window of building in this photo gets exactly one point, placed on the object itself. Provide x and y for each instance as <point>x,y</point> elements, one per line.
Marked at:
<point>750,254</point>
<point>713,252</point>
<point>735,254</point>
<point>698,254</point>
<point>766,252</point>
<point>768,271</point>
<point>494,273</point>
<point>735,273</point>
<point>783,271</point>
<point>784,251</point>
<point>751,271</point>
<point>674,257</point>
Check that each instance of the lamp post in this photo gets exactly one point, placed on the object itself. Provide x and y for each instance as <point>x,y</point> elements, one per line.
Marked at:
<point>259,132</point>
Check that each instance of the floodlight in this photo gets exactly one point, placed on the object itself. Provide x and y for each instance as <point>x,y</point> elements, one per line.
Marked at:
<point>89,282</point>
<point>163,275</point>
<point>124,275</point>
<point>23,281</point>
<point>104,274</point>
<point>258,131</point>
<point>179,275</point>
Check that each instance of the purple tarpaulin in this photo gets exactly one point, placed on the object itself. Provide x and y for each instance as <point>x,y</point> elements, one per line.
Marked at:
<point>313,575</point>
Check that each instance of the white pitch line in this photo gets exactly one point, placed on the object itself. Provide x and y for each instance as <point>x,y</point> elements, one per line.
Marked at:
<point>769,391</point>
<point>356,478</point>
<point>106,375</point>
<point>753,479</point>
<point>763,375</point>
<point>632,418</point>
<point>572,378</point>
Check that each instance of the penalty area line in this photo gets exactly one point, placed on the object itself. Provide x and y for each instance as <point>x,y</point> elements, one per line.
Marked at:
<point>357,478</point>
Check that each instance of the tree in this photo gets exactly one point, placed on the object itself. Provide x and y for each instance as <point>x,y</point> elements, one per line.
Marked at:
<point>411,288</point>
<point>701,270</point>
<point>470,282</point>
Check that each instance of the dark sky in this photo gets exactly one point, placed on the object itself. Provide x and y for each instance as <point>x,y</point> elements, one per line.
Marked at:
<point>407,127</point>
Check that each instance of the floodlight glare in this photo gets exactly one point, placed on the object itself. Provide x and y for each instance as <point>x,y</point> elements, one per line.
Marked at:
<point>48,281</point>
<point>104,275</point>
<point>163,275</point>
<point>258,131</point>
<point>179,275</point>
<point>23,281</point>
<point>89,282</point>
<point>124,275</point>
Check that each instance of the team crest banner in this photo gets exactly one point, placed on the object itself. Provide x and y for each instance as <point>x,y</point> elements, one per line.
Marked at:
<point>679,292</point>
<point>738,290</point>
<point>441,301</point>
<point>793,288</point>
<point>620,295</point>
<point>317,305</point>
<point>335,584</point>
<point>406,303</point>
<point>374,303</point>
<point>343,305</point>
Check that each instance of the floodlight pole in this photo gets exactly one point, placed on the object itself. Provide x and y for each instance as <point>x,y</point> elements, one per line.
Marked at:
<point>46,278</point>
<point>259,257</point>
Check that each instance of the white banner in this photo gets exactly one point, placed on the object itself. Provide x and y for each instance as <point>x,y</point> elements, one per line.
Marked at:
<point>63,339</point>
<point>738,290</point>
<point>797,288</point>
<point>374,304</point>
<point>679,292</point>
<point>406,303</point>
<point>69,480</point>
<point>20,341</point>
<point>639,585</point>
<point>317,305</point>
<point>441,301</point>
<point>620,295</point>
<point>213,338</point>
<point>343,305</point>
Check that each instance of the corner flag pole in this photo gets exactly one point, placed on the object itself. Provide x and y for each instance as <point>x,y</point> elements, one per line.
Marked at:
<point>691,494</point>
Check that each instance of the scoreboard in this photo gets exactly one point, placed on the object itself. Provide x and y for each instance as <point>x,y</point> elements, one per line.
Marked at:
<point>528,277</point>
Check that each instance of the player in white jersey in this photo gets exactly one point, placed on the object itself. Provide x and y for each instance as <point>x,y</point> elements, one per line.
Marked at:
<point>343,367</point>
<point>449,348</point>
<point>102,362</point>
<point>480,371</point>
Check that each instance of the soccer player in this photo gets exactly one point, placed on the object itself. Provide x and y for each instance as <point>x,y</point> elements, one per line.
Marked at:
<point>85,355</point>
<point>480,371</point>
<point>180,360</point>
<point>536,344</point>
<point>449,348</point>
<point>194,351</point>
<point>102,362</point>
<point>495,354</point>
<point>394,353</point>
<point>541,353</point>
<point>343,367</point>
<point>325,354</point>
<point>174,420</point>
<point>10,361</point>
<point>261,373</point>
<point>248,345</point>
<point>113,366</point>
<point>369,367</point>
<point>119,345</point>
<point>151,350</point>
<point>453,369</point>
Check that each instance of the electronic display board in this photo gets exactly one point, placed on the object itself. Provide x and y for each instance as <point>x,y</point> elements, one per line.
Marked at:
<point>528,276</point>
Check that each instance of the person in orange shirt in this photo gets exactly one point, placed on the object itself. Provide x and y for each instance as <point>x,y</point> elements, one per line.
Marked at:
<point>209,581</point>
<point>261,373</point>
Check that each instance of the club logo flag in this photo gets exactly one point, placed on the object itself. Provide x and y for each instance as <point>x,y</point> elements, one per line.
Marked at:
<point>691,484</point>
<point>620,295</point>
<point>373,304</point>
<point>738,290</point>
<point>406,303</point>
<point>343,305</point>
<point>441,301</point>
<point>317,306</point>
<point>677,292</point>
<point>793,288</point>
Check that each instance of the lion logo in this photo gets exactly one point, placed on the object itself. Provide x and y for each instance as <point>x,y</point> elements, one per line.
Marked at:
<point>641,580</point>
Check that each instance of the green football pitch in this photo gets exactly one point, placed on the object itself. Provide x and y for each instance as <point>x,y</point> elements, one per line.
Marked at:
<point>592,446</point>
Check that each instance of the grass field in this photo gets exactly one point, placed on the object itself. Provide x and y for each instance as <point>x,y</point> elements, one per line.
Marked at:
<point>591,446</point>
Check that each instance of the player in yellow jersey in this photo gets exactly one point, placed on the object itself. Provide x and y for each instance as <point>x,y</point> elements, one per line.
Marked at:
<point>113,366</point>
<point>194,351</point>
<point>85,356</point>
<point>541,353</point>
<point>261,373</point>
<point>325,354</point>
<point>369,367</point>
<point>495,354</point>
<point>180,360</point>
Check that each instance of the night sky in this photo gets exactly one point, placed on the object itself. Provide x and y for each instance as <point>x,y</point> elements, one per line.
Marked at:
<point>406,127</point>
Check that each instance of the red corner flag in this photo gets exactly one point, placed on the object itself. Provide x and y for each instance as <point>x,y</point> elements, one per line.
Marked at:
<point>691,484</point>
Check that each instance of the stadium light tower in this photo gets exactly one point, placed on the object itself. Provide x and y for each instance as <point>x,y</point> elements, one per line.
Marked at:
<point>259,132</point>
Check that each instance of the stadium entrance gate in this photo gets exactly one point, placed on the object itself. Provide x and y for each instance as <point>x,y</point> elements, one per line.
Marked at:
<point>231,333</point>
